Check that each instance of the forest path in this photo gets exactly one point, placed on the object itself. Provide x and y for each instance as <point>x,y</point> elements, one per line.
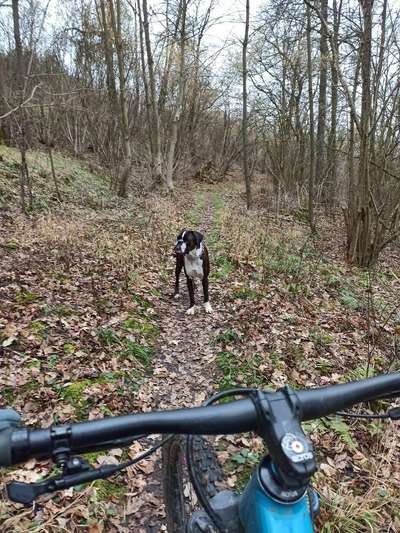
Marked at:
<point>183,366</point>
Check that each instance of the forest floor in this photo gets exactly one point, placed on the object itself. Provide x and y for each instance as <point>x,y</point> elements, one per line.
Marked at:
<point>88,328</point>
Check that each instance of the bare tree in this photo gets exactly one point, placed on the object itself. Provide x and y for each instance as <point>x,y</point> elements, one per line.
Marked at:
<point>311,171</point>
<point>323,80</point>
<point>152,96</point>
<point>246,170</point>
<point>19,116</point>
<point>176,114</point>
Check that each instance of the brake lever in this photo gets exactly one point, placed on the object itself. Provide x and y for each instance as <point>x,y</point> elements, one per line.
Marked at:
<point>76,472</point>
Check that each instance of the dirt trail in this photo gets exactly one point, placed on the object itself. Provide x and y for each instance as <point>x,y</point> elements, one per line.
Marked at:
<point>183,370</point>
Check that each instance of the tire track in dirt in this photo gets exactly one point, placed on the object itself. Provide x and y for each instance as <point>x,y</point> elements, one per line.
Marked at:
<point>183,371</point>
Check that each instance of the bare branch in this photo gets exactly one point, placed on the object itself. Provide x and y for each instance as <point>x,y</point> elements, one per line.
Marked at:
<point>22,104</point>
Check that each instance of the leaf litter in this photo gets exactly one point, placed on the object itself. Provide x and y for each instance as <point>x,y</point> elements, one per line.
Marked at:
<point>74,282</point>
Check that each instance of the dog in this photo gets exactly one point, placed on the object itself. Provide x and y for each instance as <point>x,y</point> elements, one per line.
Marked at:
<point>192,255</point>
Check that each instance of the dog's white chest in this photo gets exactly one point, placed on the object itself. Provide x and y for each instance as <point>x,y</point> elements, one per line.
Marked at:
<point>194,267</point>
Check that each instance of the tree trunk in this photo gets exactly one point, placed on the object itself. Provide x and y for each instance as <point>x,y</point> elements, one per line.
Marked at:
<point>24,182</point>
<point>155,125</point>
<point>123,110</point>
<point>311,177</point>
<point>332,142</point>
<point>359,250</point>
<point>179,99</point>
<point>247,178</point>
<point>320,167</point>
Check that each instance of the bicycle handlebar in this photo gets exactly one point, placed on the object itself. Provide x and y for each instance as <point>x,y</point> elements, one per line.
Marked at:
<point>20,444</point>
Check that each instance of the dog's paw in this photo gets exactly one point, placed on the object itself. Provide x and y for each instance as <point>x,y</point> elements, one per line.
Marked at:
<point>177,295</point>
<point>208,308</point>
<point>191,310</point>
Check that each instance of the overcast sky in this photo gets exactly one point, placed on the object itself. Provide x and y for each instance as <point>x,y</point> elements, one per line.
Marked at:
<point>230,15</point>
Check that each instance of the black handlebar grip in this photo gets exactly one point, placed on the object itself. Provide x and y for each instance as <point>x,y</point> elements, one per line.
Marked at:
<point>5,447</point>
<point>9,420</point>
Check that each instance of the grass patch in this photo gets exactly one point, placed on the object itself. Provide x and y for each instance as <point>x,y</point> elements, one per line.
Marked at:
<point>320,338</point>
<point>330,278</point>
<point>129,348</point>
<point>245,293</point>
<point>60,310</point>
<point>77,181</point>
<point>227,336</point>
<point>359,373</point>
<point>108,337</point>
<point>349,516</point>
<point>140,352</point>
<point>242,465</point>
<point>236,372</point>
<point>349,299</point>
<point>144,305</point>
<point>341,429</point>
<point>282,262</point>
<point>224,268</point>
<point>26,297</point>
<point>325,366</point>
<point>10,245</point>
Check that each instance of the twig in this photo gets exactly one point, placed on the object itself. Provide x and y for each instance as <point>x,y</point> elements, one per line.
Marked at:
<point>22,104</point>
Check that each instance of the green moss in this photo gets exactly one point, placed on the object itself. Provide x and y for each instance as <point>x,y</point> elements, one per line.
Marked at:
<point>69,348</point>
<point>107,490</point>
<point>146,329</point>
<point>218,201</point>
<point>39,329</point>
<point>91,458</point>
<point>9,396</point>
<point>74,395</point>
<point>33,363</point>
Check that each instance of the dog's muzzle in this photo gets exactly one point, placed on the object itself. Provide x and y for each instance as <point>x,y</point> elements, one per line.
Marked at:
<point>180,247</point>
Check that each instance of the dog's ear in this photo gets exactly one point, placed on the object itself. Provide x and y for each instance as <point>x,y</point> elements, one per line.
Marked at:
<point>180,235</point>
<point>198,238</point>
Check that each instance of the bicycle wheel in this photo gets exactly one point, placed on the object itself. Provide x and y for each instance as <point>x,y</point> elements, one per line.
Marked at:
<point>179,496</point>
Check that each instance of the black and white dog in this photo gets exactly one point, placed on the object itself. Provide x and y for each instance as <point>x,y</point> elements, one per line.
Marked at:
<point>192,255</point>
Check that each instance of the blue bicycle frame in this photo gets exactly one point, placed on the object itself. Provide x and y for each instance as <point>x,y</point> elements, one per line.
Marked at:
<point>259,513</point>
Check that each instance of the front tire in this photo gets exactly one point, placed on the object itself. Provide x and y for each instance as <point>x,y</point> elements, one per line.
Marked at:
<point>179,496</point>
